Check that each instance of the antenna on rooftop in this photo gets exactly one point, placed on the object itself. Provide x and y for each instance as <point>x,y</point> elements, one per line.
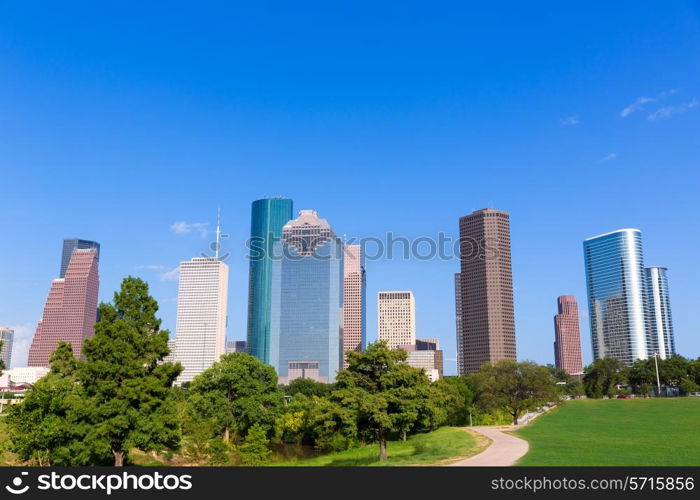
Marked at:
<point>218,232</point>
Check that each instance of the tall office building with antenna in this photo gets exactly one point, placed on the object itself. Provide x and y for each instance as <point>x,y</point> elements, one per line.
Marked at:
<point>202,301</point>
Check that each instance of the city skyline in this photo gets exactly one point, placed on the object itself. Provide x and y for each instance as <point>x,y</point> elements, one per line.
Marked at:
<point>364,116</point>
<point>658,325</point>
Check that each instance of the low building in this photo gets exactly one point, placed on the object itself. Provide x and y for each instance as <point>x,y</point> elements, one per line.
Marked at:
<point>425,354</point>
<point>236,346</point>
<point>22,375</point>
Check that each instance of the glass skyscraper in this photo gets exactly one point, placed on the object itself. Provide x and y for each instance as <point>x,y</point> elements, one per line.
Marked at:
<point>616,295</point>
<point>659,322</point>
<point>70,244</point>
<point>307,301</point>
<point>267,218</point>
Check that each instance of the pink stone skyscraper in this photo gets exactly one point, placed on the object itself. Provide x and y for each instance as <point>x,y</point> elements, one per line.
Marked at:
<point>354,300</point>
<point>71,309</point>
<point>567,343</point>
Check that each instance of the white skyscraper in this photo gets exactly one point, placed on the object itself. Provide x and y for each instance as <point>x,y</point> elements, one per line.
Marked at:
<point>397,318</point>
<point>202,299</point>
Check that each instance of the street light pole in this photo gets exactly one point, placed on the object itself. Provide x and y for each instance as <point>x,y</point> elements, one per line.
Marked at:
<point>658,381</point>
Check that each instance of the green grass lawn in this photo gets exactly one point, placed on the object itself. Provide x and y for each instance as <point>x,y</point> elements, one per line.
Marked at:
<point>421,449</point>
<point>616,432</point>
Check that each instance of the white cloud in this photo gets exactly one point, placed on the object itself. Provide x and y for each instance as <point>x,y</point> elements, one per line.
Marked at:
<point>21,342</point>
<point>151,268</point>
<point>182,227</point>
<point>569,121</point>
<point>609,157</point>
<point>171,275</point>
<point>636,105</point>
<point>668,111</point>
<point>641,101</point>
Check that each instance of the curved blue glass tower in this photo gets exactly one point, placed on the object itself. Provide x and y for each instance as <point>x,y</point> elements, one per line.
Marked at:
<point>267,218</point>
<point>660,325</point>
<point>616,295</point>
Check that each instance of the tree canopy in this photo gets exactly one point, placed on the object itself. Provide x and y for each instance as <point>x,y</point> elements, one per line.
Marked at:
<point>516,387</point>
<point>236,393</point>
<point>93,411</point>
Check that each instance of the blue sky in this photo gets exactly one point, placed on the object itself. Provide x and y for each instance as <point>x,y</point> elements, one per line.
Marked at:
<point>119,122</point>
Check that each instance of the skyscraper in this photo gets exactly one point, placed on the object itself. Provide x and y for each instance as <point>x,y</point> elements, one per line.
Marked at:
<point>202,302</point>
<point>267,218</point>
<point>7,336</point>
<point>202,305</point>
<point>71,308</point>
<point>307,300</point>
<point>396,318</point>
<point>567,336</point>
<point>354,300</point>
<point>70,244</point>
<point>616,295</point>
<point>659,322</point>
<point>484,297</point>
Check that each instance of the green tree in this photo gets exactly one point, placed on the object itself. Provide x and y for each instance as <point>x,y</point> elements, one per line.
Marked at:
<point>330,425</point>
<point>641,375</point>
<point>694,371</point>
<point>602,377</point>
<point>515,387</point>
<point>566,383</point>
<point>43,429</point>
<point>254,450</point>
<point>458,397</point>
<point>380,386</point>
<point>688,385</point>
<point>673,370</point>
<point>238,392</point>
<point>308,387</point>
<point>124,381</point>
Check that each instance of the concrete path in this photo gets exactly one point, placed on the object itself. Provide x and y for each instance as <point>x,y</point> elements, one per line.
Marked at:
<point>504,450</point>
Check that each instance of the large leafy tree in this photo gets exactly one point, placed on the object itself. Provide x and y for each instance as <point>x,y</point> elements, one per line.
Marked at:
<point>457,398</point>
<point>602,377</point>
<point>44,429</point>
<point>237,392</point>
<point>385,390</point>
<point>125,382</point>
<point>515,387</point>
<point>673,369</point>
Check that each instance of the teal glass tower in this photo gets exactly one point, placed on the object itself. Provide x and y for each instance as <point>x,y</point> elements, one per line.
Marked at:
<point>268,217</point>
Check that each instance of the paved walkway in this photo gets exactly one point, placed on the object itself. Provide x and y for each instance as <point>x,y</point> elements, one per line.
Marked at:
<point>504,450</point>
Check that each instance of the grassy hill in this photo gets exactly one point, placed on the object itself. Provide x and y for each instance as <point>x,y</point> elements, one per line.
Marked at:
<point>616,432</point>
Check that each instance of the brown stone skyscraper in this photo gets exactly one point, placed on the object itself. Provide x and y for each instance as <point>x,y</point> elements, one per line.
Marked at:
<point>71,309</point>
<point>567,337</point>
<point>484,291</point>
